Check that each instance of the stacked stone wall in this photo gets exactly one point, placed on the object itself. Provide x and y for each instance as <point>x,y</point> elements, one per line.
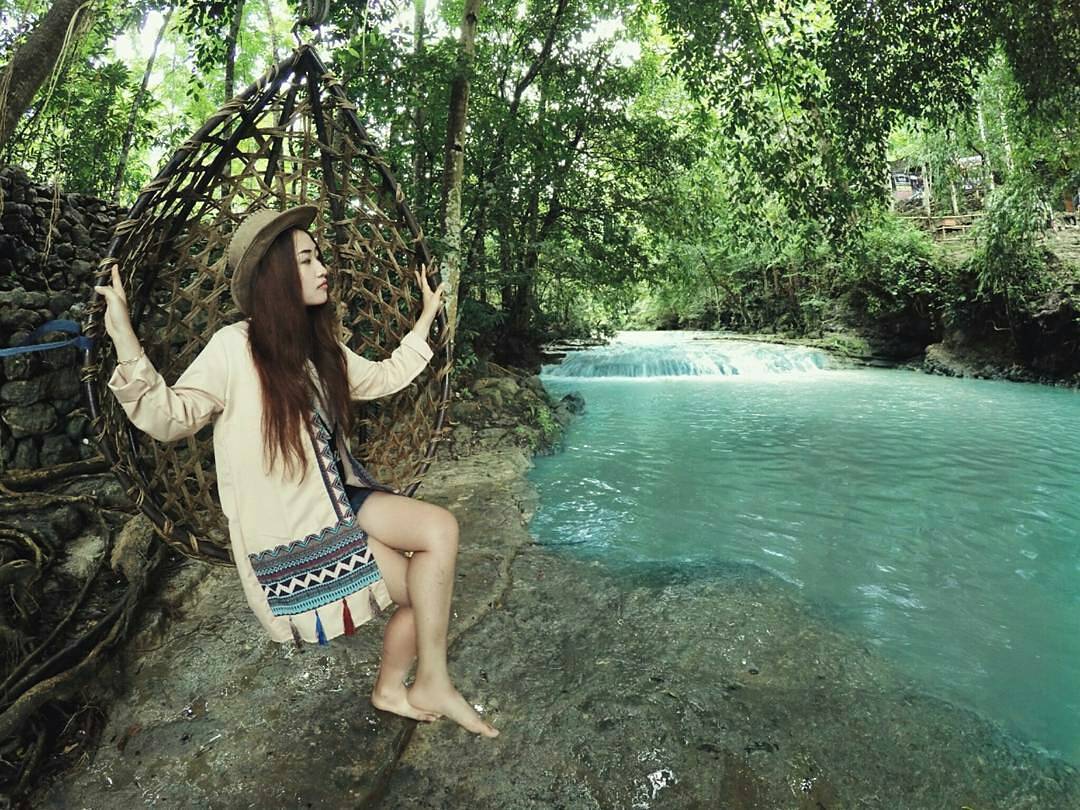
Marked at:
<point>44,418</point>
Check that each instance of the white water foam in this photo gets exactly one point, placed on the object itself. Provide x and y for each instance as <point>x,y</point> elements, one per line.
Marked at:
<point>673,355</point>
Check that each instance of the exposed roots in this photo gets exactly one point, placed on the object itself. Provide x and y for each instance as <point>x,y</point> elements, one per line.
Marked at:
<point>58,619</point>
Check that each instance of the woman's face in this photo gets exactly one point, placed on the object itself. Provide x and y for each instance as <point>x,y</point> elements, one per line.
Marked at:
<point>314,281</point>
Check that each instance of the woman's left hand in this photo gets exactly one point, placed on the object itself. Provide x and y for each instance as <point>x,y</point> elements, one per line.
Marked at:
<point>433,299</point>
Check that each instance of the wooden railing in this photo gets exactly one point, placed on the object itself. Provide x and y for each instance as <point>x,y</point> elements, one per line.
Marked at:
<point>953,226</point>
<point>950,226</point>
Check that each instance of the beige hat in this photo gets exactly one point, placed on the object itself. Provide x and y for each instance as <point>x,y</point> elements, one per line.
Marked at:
<point>250,241</point>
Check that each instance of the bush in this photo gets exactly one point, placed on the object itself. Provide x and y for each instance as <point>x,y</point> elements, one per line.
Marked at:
<point>889,271</point>
<point>1009,265</point>
<point>478,324</point>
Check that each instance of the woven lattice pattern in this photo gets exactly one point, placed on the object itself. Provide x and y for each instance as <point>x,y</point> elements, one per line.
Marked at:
<point>291,138</point>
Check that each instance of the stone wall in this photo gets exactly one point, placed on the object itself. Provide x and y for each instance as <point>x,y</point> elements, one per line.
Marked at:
<point>44,419</point>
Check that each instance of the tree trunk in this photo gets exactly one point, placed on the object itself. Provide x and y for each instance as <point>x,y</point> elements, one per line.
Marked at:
<point>475,263</point>
<point>519,315</point>
<point>129,133</point>
<point>720,283</point>
<point>1005,138</point>
<point>31,64</point>
<point>535,231</point>
<point>273,36</point>
<point>985,142</point>
<point>927,189</point>
<point>506,261</point>
<point>420,161</point>
<point>454,159</point>
<point>493,164</point>
<point>230,50</point>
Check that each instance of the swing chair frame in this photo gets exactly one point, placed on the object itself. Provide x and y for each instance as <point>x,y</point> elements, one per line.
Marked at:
<point>379,206</point>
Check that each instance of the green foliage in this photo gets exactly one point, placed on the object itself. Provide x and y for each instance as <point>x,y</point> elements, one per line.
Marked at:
<point>1041,39</point>
<point>75,133</point>
<point>811,89</point>
<point>477,321</point>
<point>549,427</point>
<point>205,24</point>
<point>570,156</point>
<point>571,309</point>
<point>890,271</point>
<point>667,163</point>
<point>1009,262</point>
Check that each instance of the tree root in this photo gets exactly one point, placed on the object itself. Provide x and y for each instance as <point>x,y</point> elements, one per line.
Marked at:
<point>30,480</point>
<point>42,673</point>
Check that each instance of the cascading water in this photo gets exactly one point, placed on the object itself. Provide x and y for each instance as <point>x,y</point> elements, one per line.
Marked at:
<point>649,355</point>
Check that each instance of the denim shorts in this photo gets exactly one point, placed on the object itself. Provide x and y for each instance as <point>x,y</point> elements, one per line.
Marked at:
<point>357,496</point>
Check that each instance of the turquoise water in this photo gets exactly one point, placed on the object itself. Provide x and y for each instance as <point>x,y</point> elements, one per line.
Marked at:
<point>937,518</point>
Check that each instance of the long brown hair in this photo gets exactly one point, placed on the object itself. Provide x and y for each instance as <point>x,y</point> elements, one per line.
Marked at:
<point>284,333</point>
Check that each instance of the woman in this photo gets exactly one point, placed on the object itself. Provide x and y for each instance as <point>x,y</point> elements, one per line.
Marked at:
<point>303,514</point>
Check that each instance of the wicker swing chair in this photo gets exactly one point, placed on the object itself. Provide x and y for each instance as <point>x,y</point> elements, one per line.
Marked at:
<point>290,138</point>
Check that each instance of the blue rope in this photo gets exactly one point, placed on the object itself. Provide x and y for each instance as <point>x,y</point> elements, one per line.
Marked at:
<point>80,340</point>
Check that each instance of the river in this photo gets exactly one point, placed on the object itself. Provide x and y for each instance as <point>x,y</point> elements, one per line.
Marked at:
<point>937,519</point>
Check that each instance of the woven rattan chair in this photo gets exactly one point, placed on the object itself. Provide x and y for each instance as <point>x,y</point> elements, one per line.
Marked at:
<point>291,138</point>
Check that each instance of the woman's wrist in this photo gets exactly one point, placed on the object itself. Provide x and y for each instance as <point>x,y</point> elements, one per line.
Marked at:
<point>423,325</point>
<point>420,334</point>
<point>128,349</point>
<point>130,360</point>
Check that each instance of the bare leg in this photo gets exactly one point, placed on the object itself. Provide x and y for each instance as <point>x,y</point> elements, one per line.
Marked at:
<point>399,650</point>
<point>430,532</point>
<point>399,639</point>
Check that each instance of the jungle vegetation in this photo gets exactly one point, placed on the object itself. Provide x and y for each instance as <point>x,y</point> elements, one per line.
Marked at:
<point>757,165</point>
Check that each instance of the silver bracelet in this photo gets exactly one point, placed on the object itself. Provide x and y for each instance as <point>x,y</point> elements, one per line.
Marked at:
<point>132,360</point>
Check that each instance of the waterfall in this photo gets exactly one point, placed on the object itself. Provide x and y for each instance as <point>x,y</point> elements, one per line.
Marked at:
<point>648,355</point>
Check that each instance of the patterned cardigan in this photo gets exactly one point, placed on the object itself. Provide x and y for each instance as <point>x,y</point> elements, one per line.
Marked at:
<point>303,562</point>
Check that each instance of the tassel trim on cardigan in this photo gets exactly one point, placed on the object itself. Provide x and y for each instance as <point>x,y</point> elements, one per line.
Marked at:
<point>346,621</point>
<point>346,618</point>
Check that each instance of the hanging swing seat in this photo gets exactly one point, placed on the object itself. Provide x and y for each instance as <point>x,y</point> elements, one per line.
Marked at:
<point>291,138</point>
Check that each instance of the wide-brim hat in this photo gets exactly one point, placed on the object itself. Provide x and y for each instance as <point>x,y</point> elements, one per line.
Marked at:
<point>250,241</point>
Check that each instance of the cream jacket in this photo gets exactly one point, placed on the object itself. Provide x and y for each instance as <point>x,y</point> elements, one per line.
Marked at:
<point>313,564</point>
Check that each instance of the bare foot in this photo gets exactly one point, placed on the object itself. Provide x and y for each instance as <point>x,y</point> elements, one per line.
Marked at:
<point>446,700</point>
<point>396,701</point>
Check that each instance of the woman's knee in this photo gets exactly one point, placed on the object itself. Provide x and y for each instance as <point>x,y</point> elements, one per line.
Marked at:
<point>445,532</point>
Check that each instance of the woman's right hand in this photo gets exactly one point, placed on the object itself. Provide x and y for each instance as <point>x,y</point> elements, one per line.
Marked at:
<point>117,319</point>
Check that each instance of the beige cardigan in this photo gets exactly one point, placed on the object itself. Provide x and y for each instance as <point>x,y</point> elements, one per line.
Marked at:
<point>281,526</point>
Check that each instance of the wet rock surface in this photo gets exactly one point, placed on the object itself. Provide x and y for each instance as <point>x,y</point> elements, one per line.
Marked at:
<point>208,712</point>
<point>659,688</point>
<point>634,687</point>
<point>503,411</point>
<point>952,359</point>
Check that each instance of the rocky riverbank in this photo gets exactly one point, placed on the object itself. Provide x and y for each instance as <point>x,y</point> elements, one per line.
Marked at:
<point>956,356</point>
<point>499,421</point>
<point>208,712</point>
<point>952,358</point>
<point>633,687</point>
